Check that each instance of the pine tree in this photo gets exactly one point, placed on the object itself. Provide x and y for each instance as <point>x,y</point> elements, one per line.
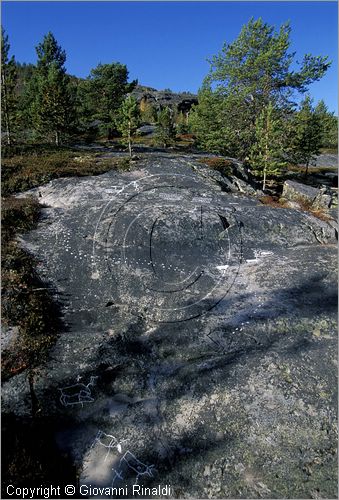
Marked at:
<point>165,132</point>
<point>52,108</point>
<point>8,85</point>
<point>103,94</point>
<point>266,156</point>
<point>148,112</point>
<point>181,123</point>
<point>222,124</point>
<point>129,120</point>
<point>328,124</point>
<point>245,76</point>
<point>307,134</point>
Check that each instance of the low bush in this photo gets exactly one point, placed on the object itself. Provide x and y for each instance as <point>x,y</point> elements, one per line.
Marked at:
<point>27,301</point>
<point>20,173</point>
<point>304,205</point>
<point>272,201</point>
<point>17,215</point>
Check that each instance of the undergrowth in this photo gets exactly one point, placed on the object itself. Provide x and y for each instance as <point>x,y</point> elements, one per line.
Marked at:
<point>222,165</point>
<point>23,172</point>
<point>26,300</point>
<point>27,303</point>
<point>304,206</point>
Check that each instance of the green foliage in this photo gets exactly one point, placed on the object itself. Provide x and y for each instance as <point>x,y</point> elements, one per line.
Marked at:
<point>258,64</point>
<point>52,103</point>
<point>329,126</point>
<point>129,120</point>
<point>181,123</point>
<point>165,132</point>
<point>148,112</point>
<point>8,93</point>
<point>307,134</point>
<point>244,78</point>
<point>222,124</point>
<point>266,155</point>
<point>20,173</point>
<point>102,94</point>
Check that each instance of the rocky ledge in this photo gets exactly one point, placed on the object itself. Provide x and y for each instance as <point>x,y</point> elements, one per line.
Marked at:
<point>199,348</point>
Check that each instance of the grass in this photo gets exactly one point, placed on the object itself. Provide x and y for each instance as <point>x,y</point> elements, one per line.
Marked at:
<point>312,170</point>
<point>25,171</point>
<point>26,300</point>
<point>273,201</point>
<point>305,206</point>
<point>329,151</point>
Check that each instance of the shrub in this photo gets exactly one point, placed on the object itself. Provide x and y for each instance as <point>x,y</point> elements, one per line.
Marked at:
<point>20,173</point>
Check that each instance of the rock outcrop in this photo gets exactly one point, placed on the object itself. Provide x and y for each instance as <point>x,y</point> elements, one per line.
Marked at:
<point>181,102</point>
<point>315,198</point>
<point>200,335</point>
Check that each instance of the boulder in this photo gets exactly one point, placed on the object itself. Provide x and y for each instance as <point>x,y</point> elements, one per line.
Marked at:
<point>302,194</point>
<point>146,130</point>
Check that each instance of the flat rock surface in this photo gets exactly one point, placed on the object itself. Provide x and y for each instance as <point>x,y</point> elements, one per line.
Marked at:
<point>327,160</point>
<point>200,342</point>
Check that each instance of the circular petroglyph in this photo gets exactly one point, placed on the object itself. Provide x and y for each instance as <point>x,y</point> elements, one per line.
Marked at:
<point>165,248</point>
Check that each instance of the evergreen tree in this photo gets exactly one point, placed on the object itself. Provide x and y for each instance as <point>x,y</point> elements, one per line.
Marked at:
<point>129,120</point>
<point>328,124</point>
<point>26,105</point>
<point>8,93</point>
<point>53,106</point>
<point>222,124</point>
<point>266,156</point>
<point>148,112</point>
<point>307,134</point>
<point>165,132</point>
<point>103,94</point>
<point>181,122</point>
<point>248,74</point>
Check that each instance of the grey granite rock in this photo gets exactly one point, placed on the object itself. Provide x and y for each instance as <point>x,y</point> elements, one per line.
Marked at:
<point>297,192</point>
<point>208,322</point>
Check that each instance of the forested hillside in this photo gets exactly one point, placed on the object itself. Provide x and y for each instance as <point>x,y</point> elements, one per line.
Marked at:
<point>246,107</point>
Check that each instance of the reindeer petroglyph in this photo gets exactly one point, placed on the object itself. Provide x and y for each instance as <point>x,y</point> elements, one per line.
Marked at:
<point>128,463</point>
<point>77,394</point>
<point>108,441</point>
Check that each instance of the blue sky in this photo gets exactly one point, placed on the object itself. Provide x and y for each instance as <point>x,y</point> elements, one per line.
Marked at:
<point>166,44</point>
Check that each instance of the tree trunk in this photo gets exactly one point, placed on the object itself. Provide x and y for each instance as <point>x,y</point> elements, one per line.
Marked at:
<point>264,180</point>
<point>129,140</point>
<point>34,399</point>
<point>306,170</point>
<point>6,113</point>
<point>57,138</point>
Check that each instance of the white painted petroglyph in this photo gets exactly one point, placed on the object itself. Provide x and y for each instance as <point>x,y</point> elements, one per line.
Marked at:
<point>129,462</point>
<point>108,441</point>
<point>77,394</point>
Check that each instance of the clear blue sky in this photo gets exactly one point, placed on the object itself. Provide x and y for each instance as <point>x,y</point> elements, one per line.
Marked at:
<point>166,44</point>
